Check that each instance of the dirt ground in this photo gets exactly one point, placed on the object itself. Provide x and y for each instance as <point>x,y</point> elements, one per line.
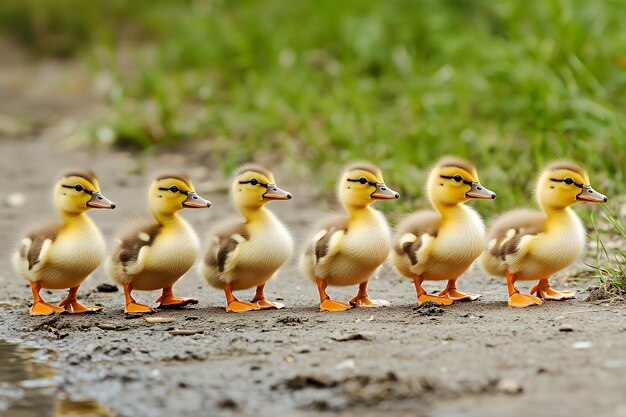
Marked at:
<point>469,359</point>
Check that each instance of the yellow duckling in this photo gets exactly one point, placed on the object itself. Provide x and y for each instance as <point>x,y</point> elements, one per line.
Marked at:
<point>527,245</point>
<point>62,255</point>
<point>246,254</point>
<point>156,255</point>
<point>443,244</point>
<point>348,249</point>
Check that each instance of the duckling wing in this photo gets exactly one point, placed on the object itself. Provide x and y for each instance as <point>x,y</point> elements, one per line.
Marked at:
<point>223,251</point>
<point>328,241</point>
<point>415,235</point>
<point>134,246</point>
<point>513,233</point>
<point>34,250</point>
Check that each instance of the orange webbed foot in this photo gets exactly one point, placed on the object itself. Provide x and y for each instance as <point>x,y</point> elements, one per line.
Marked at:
<point>366,302</point>
<point>41,308</point>
<point>74,307</point>
<point>237,306</point>
<point>434,299</point>
<point>456,295</point>
<point>547,293</point>
<point>523,300</point>
<point>330,305</point>
<point>268,305</point>
<point>172,301</point>
<point>136,308</point>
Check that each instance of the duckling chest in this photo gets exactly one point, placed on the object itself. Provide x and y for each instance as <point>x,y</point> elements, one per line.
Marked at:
<point>174,250</point>
<point>367,240</point>
<point>268,246</point>
<point>461,239</point>
<point>78,249</point>
<point>561,245</point>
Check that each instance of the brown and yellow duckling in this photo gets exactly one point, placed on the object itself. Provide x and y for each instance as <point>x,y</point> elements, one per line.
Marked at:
<point>528,245</point>
<point>156,255</point>
<point>443,244</point>
<point>62,255</point>
<point>246,253</point>
<point>348,248</point>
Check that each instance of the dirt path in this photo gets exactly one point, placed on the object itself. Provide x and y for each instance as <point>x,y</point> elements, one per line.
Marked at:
<point>478,359</point>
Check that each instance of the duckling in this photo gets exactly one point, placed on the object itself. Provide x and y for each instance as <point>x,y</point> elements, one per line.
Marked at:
<point>62,255</point>
<point>348,248</point>
<point>443,244</point>
<point>525,245</point>
<point>154,256</point>
<point>246,254</point>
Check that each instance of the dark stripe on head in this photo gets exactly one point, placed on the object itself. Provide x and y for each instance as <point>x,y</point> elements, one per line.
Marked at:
<point>179,176</point>
<point>365,166</point>
<point>566,165</point>
<point>456,162</point>
<point>86,174</point>
<point>254,168</point>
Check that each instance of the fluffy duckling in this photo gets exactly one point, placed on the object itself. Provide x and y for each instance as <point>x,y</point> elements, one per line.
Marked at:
<point>62,255</point>
<point>527,245</point>
<point>246,254</point>
<point>156,255</point>
<point>443,244</point>
<point>348,249</point>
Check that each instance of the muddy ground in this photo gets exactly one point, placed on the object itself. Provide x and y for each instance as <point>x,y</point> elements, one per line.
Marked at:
<point>478,359</point>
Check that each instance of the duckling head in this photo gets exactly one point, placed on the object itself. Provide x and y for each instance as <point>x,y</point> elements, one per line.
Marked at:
<point>254,186</point>
<point>79,191</point>
<point>453,181</point>
<point>563,184</point>
<point>361,184</point>
<point>171,193</point>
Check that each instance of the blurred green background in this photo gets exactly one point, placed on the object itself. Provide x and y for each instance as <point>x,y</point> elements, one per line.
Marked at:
<point>509,85</point>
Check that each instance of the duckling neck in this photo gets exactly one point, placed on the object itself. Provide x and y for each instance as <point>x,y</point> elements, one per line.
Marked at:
<point>74,218</point>
<point>359,212</point>
<point>256,214</point>
<point>167,220</point>
<point>450,212</point>
<point>559,218</point>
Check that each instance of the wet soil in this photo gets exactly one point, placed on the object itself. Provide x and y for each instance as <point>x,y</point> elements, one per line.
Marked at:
<point>468,359</point>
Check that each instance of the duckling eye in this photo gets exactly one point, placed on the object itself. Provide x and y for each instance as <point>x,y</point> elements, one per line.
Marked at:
<point>363,180</point>
<point>254,181</point>
<point>174,189</point>
<point>568,181</point>
<point>457,178</point>
<point>78,188</point>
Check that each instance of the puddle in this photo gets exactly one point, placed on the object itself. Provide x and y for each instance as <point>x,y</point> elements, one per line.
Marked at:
<point>27,386</point>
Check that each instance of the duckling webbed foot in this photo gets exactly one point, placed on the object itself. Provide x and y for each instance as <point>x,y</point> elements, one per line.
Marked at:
<point>523,300</point>
<point>544,291</point>
<point>72,306</point>
<point>515,298</point>
<point>169,300</point>
<point>455,295</point>
<point>261,301</point>
<point>133,307</point>
<point>361,300</point>
<point>330,305</point>
<point>423,296</point>
<point>233,305</point>
<point>41,308</point>
<point>326,304</point>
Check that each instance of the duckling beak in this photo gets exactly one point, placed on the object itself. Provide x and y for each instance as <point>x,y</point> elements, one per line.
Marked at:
<point>99,201</point>
<point>275,193</point>
<point>195,201</point>
<point>383,192</point>
<point>591,195</point>
<point>478,191</point>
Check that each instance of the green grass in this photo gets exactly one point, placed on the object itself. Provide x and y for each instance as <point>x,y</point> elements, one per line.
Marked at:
<point>611,263</point>
<point>506,84</point>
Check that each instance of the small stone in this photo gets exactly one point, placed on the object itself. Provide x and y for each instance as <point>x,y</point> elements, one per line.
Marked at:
<point>566,328</point>
<point>582,345</point>
<point>107,288</point>
<point>15,200</point>
<point>509,386</point>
